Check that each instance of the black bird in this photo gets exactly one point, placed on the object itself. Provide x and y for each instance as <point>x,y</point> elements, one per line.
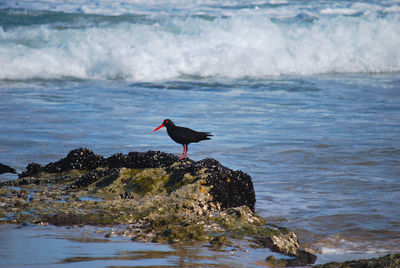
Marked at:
<point>183,135</point>
<point>6,169</point>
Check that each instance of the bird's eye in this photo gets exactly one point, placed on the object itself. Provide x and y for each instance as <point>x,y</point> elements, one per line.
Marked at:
<point>166,121</point>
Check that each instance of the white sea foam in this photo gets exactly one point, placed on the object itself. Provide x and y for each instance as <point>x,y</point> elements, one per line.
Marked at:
<point>342,11</point>
<point>394,8</point>
<point>347,247</point>
<point>245,44</point>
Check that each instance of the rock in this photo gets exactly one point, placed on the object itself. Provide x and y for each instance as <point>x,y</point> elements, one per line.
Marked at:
<point>91,177</point>
<point>388,261</point>
<point>229,188</point>
<point>6,169</point>
<point>150,159</point>
<point>286,242</point>
<point>31,169</point>
<point>152,196</point>
<point>302,257</point>
<point>80,159</point>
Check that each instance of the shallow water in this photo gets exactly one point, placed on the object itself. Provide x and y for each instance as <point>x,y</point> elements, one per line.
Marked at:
<point>51,246</point>
<point>302,95</point>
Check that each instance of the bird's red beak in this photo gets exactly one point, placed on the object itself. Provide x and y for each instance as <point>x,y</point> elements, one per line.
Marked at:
<point>159,127</point>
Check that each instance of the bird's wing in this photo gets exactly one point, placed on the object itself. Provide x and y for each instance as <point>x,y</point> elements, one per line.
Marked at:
<point>190,135</point>
<point>184,135</point>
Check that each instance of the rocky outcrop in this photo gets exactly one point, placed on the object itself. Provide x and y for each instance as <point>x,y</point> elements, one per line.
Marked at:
<point>388,261</point>
<point>150,196</point>
<point>229,188</point>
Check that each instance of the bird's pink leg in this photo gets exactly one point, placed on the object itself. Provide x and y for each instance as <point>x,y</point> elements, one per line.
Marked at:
<point>185,148</point>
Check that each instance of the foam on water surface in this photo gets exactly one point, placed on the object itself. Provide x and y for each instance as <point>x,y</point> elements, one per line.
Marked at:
<point>170,41</point>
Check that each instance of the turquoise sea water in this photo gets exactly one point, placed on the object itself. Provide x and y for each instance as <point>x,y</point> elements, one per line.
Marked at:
<point>302,95</point>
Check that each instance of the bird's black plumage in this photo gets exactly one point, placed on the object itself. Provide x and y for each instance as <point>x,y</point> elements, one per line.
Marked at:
<point>183,135</point>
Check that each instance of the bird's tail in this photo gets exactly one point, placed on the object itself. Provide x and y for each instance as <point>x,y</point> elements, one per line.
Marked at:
<point>207,136</point>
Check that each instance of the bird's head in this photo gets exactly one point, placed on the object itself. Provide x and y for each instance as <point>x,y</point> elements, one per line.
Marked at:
<point>165,123</point>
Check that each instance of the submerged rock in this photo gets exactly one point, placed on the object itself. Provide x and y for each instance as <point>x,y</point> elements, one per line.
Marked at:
<point>6,169</point>
<point>149,196</point>
<point>388,261</point>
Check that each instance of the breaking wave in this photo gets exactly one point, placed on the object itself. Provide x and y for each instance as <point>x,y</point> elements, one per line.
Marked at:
<point>247,43</point>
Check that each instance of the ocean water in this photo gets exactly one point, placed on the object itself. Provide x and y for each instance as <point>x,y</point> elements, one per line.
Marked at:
<point>302,95</point>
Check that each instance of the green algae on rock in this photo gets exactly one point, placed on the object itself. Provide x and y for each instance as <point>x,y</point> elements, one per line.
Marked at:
<point>149,196</point>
